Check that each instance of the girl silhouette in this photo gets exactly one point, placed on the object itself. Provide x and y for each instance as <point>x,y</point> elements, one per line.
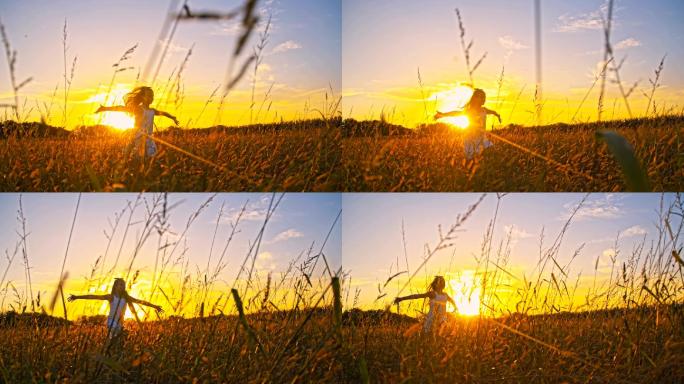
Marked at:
<point>137,103</point>
<point>118,299</point>
<point>474,141</point>
<point>438,299</point>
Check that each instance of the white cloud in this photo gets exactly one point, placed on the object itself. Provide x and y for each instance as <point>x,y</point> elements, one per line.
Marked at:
<point>604,262</point>
<point>264,262</point>
<point>607,206</point>
<point>628,43</point>
<point>173,48</point>
<point>635,230</point>
<point>510,44</point>
<point>286,235</point>
<point>516,233</point>
<point>287,46</point>
<point>227,29</point>
<point>584,21</point>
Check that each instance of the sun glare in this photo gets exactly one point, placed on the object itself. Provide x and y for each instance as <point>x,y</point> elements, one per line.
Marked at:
<point>457,121</point>
<point>452,100</point>
<point>466,293</point>
<point>118,120</point>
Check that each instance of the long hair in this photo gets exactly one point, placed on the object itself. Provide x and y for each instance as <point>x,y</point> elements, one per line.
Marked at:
<point>136,97</point>
<point>478,94</point>
<point>119,281</point>
<point>438,284</point>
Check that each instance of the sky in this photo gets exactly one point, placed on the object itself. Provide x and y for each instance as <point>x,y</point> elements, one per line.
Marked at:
<point>299,221</point>
<point>365,242</point>
<point>372,231</point>
<point>385,42</point>
<point>301,61</point>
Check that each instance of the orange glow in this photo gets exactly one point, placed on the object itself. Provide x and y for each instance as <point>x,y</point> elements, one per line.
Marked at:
<point>118,120</point>
<point>466,293</point>
<point>461,122</point>
<point>452,100</point>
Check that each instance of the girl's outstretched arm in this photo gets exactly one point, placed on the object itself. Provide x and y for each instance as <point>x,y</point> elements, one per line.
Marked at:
<point>493,112</point>
<point>166,114</point>
<point>146,303</point>
<point>439,114</point>
<point>89,297</point>
<point>412,297</point>
<point>113,108</point>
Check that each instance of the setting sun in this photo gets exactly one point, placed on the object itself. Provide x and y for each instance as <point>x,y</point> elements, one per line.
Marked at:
<point>466,293</point>
<point>118,120</point>
<point>457,121</point>
<point>452,100</point>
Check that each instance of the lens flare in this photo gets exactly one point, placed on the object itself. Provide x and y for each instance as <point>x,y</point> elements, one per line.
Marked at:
<point>118,120</point>
<point>115,96</point>
<point>466,293</point>
<point>453,99</point>
<point>461,122</point>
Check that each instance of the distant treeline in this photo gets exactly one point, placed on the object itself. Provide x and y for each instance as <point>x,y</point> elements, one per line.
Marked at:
<point>37,129</point>
<point>372,128</point>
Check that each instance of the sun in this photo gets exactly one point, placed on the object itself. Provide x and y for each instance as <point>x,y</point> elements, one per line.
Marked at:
<point>117,120</point>
<point>466,293</point>
<point>461,122</point>
<point>451,100</point>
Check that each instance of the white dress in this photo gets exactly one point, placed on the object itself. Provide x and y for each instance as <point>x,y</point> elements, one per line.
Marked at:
<point>475,141</point>
<point>117,308</point>
<point>147,127</point>
<point>437,311</point>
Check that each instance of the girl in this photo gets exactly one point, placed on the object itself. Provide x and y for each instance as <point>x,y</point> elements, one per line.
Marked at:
<point>137,103</point>
<point>475,140</point>
<point>438,299</point>
<point>118,300</point>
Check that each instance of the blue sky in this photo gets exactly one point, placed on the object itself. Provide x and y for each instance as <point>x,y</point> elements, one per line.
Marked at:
<point>366,242</point>
<point>302,57</point>
<point>385,41</point>
<point>300,220</point>
<point>373,239</point>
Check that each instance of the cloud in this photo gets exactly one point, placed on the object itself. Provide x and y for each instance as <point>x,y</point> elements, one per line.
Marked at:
<point>254,211</point>
<point>584,21</point>
<point>628,43</point>
<point>516,233</point>
<point>608,206</point>
<point>286,235</point>
<point>510,44</point>
<point>173,48</point>
<point>605,261</point>
<point>264,262</point>
<point>635,230</point>
<point>287,46</point>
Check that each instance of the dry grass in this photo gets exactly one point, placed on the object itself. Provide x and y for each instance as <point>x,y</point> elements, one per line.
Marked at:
<point>177,350</point>
<point>605,347</point>
<point>625,327</point>
<point>436,161</point>
<point>282,328</point>
<point>277,159</point>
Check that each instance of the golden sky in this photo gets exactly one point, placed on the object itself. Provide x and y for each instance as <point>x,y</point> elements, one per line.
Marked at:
<point>300,61</point>
<point>385,42</point>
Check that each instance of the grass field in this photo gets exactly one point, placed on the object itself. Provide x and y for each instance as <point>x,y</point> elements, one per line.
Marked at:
<point>278,157</point>
<point>407,160</point>
<point>620,346</point>
<point>213,349</point>
<point>622,325</point>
